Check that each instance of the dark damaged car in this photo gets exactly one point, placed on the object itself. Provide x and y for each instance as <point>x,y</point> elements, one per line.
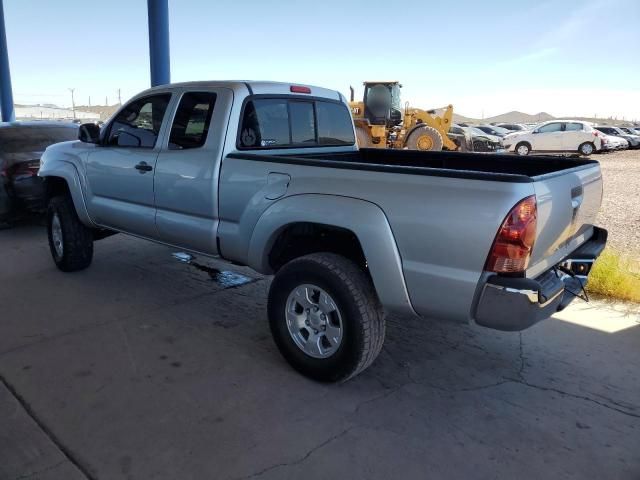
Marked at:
<point>21,146</point>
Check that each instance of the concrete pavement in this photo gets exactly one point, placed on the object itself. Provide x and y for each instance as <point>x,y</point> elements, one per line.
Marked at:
<point>144,368</point>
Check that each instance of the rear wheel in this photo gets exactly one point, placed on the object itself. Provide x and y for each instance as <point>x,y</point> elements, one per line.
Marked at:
<point>70,242</point>
<point>587,148</point>
<point>424,138</point>
<point>523,148</point>
<point>325,317</point>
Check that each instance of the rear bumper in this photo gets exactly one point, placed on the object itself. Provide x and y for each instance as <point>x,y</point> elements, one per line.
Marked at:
<point>513,304</point>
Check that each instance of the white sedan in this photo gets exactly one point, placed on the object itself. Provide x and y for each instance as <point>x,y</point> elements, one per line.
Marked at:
<point>566,136</point>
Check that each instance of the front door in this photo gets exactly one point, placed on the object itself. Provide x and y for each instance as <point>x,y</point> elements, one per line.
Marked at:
<point>120,171</point>
<point>548,137</point>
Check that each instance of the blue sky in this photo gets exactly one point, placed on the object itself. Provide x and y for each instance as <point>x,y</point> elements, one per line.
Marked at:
<point>575,57</point>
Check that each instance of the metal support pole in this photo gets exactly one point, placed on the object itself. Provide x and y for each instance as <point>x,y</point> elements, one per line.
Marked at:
<point>158,12</point>
<point>6,94</point>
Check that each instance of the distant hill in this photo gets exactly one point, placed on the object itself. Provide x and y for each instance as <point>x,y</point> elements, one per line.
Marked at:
<point>520,117</point>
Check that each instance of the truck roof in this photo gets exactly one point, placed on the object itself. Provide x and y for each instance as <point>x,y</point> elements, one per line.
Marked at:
<point>253,86</point>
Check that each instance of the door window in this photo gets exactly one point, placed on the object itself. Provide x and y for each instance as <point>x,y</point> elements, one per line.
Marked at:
<point>574,127</point>
<point>550,127</point>
<point>192,120</point>
<point>138,124</point>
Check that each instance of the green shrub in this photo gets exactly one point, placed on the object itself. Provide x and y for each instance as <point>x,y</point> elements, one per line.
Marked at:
<point>616,276</point>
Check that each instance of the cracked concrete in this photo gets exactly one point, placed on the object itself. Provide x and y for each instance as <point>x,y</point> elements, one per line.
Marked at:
<point>143,367</point>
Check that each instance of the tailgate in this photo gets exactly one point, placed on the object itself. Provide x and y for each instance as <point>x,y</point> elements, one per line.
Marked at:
<point>568,203</point>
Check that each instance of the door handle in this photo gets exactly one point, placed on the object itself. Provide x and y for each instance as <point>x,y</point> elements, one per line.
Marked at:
<point>143,167</point>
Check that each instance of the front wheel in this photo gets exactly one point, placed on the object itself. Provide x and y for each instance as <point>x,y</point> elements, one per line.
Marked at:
<point>70,242</point>
<point>325,317</point>
<point>586,148</point>
<point>424,138</point>
<point>523,149</point>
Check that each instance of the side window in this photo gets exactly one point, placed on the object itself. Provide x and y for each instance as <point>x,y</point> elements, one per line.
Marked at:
<point>335,126</point>
<point>138,124</point>
<point>574,127</point>
<point>550,127</point>
<point>192,119</point>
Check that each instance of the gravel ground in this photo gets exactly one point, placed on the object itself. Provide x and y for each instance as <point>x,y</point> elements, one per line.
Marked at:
<point>620,212</point>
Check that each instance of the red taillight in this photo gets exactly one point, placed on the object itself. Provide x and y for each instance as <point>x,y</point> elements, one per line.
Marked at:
<point>511,249</point>
<point>299,89</point>
<point>26,168</point>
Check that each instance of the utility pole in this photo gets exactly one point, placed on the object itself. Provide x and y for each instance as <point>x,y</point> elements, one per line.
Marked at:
<point>106,101</point>
<point>89,101</point>
<point>73,103</point>
<point>119,98</point>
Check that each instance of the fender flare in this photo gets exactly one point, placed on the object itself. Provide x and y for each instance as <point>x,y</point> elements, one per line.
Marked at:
<point>366,220</point>
<point>68,172</point>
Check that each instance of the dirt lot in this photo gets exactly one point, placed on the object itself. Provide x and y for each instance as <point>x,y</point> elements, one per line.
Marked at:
<point>620,212</point>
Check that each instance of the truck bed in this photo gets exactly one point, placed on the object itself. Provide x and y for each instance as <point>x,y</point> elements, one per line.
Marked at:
<point>505,168</point>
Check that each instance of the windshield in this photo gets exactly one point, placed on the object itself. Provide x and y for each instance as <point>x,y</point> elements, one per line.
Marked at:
<point>500,130</point>
<point>476,131</point>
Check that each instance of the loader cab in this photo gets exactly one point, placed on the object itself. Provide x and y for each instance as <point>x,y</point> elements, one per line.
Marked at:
<point>382,105</point>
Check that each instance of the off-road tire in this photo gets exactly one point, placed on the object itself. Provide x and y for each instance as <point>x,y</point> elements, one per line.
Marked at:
<point>77,239</point>
<point>411,142</point>
<point>354,294</point>
<point>584,146</point>
<point>523,144</point>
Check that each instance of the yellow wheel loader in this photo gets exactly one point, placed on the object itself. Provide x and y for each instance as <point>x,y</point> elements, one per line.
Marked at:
<point>381,122</point>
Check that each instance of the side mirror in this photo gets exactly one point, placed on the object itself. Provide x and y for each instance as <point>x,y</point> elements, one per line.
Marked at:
<point>89,133</point>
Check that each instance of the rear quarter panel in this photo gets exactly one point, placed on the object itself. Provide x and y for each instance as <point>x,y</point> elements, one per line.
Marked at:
<point>443,227</point>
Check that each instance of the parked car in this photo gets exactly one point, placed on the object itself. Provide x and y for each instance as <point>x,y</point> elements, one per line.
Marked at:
<point>632,139</point>
<point>469,140</point>
<point>483,142</point>
<point>21,145</point>
<point>567,136</point>
<point>514,127</point>
<point>631,130</point>
<point>493,130</point>
<point>611,143</point>
<point>269,175</point>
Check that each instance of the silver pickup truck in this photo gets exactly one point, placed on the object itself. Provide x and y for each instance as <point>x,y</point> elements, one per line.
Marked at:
<point>269,175</point>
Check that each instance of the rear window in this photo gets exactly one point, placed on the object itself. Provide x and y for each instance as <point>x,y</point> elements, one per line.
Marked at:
<point>288,123</point>
<point>34,138</point>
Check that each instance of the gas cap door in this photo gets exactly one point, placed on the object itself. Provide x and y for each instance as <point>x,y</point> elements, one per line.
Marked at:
<point>277,184</point>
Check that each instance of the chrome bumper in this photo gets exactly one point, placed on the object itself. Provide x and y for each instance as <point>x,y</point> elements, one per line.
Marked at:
<point>513,304</point>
